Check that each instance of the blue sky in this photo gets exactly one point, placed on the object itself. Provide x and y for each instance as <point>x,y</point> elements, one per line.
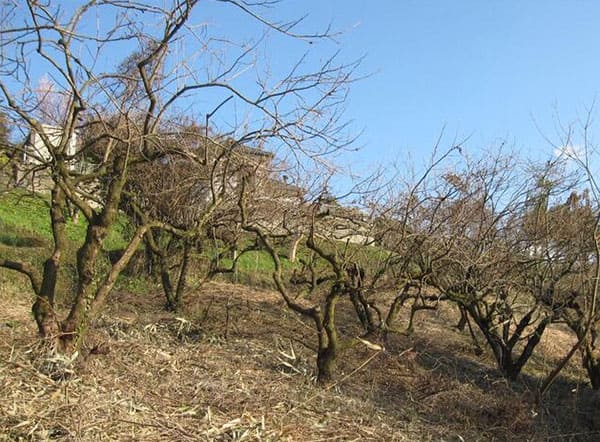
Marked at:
<point>487,70</point>
<point>490,70</point>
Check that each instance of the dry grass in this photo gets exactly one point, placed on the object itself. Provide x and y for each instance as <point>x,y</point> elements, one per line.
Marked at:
<point>237,366</point>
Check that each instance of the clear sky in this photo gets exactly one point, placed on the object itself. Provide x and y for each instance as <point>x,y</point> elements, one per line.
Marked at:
<point>490,70</point>
<point>485,69</point>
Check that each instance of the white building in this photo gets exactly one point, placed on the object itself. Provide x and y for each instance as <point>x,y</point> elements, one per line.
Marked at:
<point>36,151</point>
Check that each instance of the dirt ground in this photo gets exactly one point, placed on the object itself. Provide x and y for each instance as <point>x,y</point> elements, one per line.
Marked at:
<point>236,365</point>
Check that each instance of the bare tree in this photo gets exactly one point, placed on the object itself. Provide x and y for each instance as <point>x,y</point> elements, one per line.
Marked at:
<point>322,310</point>
<point>193,192</point>
<point>405,215</point>
<point>571,270</point>
<point>120,112</point>
<point>573,234</point>
<point>356,254</point>
<point>496,269</point>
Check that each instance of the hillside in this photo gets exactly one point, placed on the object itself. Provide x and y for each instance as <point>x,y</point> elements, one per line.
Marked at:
<point>222,233</point>
<point>220,372</point>
<point>236,364</point>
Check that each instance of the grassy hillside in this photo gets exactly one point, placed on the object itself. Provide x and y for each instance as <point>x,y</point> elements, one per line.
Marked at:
<point>26,234</point>
<point>24,221</point>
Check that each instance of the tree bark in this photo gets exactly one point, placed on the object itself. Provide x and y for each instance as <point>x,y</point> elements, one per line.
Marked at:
<point>591,362</point>
<point>43,307</point>
<point>328,340</point>
<point>73,327</point>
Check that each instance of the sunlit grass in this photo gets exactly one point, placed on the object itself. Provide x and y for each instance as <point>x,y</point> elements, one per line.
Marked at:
<point>24,215</point>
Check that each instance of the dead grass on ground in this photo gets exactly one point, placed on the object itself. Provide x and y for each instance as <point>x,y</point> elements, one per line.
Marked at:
<point>236,365</point>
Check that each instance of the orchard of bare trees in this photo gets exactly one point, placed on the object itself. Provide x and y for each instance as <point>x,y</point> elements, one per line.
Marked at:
<point>204,154</point>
